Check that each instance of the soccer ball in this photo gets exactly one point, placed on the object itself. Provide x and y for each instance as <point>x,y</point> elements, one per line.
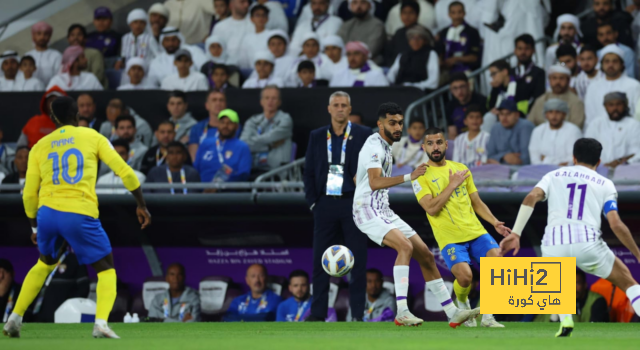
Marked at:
<point>337,260</point>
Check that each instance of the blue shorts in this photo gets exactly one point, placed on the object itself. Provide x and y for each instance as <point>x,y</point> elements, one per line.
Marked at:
<point>83,233</point>
<point>463,252</point>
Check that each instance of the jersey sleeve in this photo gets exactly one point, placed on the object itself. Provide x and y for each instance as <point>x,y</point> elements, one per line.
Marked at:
<point>544,184</point>
<point>471,186</point>
<point>31,186</point>
<point>373,157</point>
<point>109,156</point>
<point>420,187</point>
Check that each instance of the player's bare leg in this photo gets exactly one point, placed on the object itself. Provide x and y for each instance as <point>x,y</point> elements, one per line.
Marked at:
<point>422,254</point>
<point>106,296</point>
<point>30,289</point>
<point>621,277</point>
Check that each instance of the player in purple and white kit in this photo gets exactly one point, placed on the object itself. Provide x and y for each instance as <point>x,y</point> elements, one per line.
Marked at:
<point>577,195</point>
<point>373,217</point>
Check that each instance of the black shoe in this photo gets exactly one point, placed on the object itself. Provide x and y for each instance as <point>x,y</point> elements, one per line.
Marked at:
<point>312,318</point>
<point>355,319</point>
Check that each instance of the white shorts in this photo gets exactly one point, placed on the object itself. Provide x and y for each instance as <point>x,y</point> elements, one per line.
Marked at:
<point>376,224</point>
<point>592,257</point>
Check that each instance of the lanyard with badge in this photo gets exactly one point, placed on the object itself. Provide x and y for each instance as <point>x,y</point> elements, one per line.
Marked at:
<point>245,306</point>
<point>9,308</point>
<point>204,134</point>
<point>368,312</point>
<point>183,179</point>
<point>300,311</point>
<point>225,171</point>
<point>131,154</point>
<point>336,171</point>
<point>113,134</point>
<point>160,160</point>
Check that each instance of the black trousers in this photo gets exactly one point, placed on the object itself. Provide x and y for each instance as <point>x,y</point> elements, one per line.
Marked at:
<point>332,217</point>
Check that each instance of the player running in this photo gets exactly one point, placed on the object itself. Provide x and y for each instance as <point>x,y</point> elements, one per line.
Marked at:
<point>577,195</point>
<point>61,204</point>
<point>447,193</point>
<point>373,217</point>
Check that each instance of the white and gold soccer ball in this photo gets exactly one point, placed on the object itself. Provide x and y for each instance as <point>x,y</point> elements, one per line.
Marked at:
<point>337,260</point>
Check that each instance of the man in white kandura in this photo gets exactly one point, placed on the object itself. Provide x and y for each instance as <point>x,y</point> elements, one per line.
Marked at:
<point>577,195</point>
<point>374,217</point>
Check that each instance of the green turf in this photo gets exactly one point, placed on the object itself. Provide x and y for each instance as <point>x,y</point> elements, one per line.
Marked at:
<point>328,336</point>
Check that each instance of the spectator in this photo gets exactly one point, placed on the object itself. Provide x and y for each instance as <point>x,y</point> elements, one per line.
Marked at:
<point>380,305</point>
<point>179,303</point>
<point>504,86</point>
<point>456,108</point>
<point>567,56</point>
<point>334,58</point>
<point>192,18</point>
<point>442,11</point>
<point>139,42</point>
<point>509,142</point>
<point>20,163</point>
<point>180,116</point>
<point>408,151</point>
<point>278,42</point>
<point>559,77</point>
<point>588,60</point>
<point>257,40</point>
<point>470,147</point>
<point>567,33</point>
<point>224,158</point>
<point>603,12</point>
<point>156,155</point>
<point>552,142</point>
<point>175,168</point>
<point>459,43</point>
<point>76,35</point>
<point>207,128</point>
<point>356,118</point>
<point>365,28</point>
<point>136,71</point>
<point>6,155</point>
<point>48,60</point>
<point>126,130</point>
<point>10,62</point>
<point>418,67</point>
<point>122,147</point>
<point>277,17</point>
<point>40,125</point>
<point>216,52</point>
<point>260,304</point>
<point>323,24</point>
<point>427,17</point>
<point>163,65</point>
<point>619,305</point>
<point>87,109</point>
<point>219,78</point>
<point>116,108</point>
<point>612,65</point>
<point>618,133</point>
<point>307,76</point>
<point>310,52</point>
<point>268,134</point>
<point>359,73</point>
<point>298,307</point>
<point>72,76</point>
<point>185,79</point>
<point>9,288</point>
<point>222,12</point>
<point>83,122</point>
<point>158,18</point>
<point>234,29</point>
<point>607,35</point>
<point>104,39</point>
<point>399,43</point>
<point>526,73</point>
<point>264,62</point>
<point>29,82</point>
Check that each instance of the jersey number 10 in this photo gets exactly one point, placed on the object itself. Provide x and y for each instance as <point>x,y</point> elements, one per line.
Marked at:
<point>65,166</point>
<point>583,193</point>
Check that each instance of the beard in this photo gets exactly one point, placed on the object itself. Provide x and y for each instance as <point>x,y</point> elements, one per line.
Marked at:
<point>436,158</point>
<point>361,15</point>
<point>391,136</point>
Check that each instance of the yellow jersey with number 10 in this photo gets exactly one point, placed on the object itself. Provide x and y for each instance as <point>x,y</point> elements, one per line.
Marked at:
<point>457,221</point>
<point>63,167</point>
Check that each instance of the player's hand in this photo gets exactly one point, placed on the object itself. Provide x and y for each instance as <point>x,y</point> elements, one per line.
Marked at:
<point>34,238</point>
<point>144,217</point>
<point>419,171</point>
<point>501,228</point>
<point>510,242</point>
<point>456,179</point>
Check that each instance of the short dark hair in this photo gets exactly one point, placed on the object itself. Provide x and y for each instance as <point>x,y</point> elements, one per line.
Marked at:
<point>121,143</point>
<point>298,273</point>
<point>259,7</point>
<point>566,50</point>
<point>581,274</point>
<point>417,120</point>
<point>527,39</point>
<point>306,65</point>
<point>177,144</point>
<point>20,148</point>
<point>221,66</point>
<point>587,151</point>
<point>500,65</point>
<point>77,26</point>
<point>178,265</point>
<point>376,271</point>
<point>388,108</point>
<point>410,3</point>
<point>606,24</point>
<point>434,130</point>
<point>64,109</point>
<point>6,265</point>
<point>457,3</point>
<point>473,109</point>
<point>458,76</point>
<point>591,48</point>
<point>28,58</point>
<point>178,94</point>
<point>125,117</point>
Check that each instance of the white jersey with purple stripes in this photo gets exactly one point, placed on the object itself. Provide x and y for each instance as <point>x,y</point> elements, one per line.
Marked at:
<point>576,196</point>
<point>375,153</point>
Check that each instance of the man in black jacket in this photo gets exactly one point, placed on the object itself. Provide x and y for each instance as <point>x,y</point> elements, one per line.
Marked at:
<point>330,167</point>
<point>603,12</point>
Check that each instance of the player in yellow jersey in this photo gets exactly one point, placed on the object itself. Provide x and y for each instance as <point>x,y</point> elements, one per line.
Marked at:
<point>447,193</point>
<point>61,204</point>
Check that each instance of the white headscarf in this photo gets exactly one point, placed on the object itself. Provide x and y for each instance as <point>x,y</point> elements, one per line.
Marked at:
<point>611,48</point>
<point>215,39</point>
<point>137,15</point>
<point>136,61</point>
<point>168,32</point>
<point>567,18</point>
<point>332,40</point>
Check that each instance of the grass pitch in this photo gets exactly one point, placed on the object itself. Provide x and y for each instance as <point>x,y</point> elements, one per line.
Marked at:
<point>284,336</point>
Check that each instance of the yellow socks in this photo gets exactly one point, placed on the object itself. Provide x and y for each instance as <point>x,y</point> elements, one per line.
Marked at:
<point>31,286</point>
<point>461,292</point>
<point>106,293</point>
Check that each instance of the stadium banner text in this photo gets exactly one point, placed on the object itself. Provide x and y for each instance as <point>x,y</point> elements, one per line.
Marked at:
<point>528,285</point>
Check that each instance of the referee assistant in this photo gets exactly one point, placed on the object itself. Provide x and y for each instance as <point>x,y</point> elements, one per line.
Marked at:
<point>330,166</point>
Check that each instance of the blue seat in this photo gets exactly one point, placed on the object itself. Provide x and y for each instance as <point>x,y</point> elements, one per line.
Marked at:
<point>531,172</point>
<point>114,76</point>
<point>246,72</point>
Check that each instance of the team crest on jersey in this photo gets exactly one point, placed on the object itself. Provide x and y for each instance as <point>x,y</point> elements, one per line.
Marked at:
<point>228,154</point>
<point>416,187</point>
<point>374,158</point>
<point>529,79</point>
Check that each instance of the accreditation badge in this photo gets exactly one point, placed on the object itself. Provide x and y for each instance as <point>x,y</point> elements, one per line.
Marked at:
<point>335,180</point>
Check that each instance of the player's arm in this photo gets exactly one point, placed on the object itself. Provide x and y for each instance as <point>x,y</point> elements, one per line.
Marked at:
<point>484,212</point>
<point>433,205</point>
<point>512,241</point>
<point>621,230</point>
<point>30,194</point>
<point>379,182</point>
